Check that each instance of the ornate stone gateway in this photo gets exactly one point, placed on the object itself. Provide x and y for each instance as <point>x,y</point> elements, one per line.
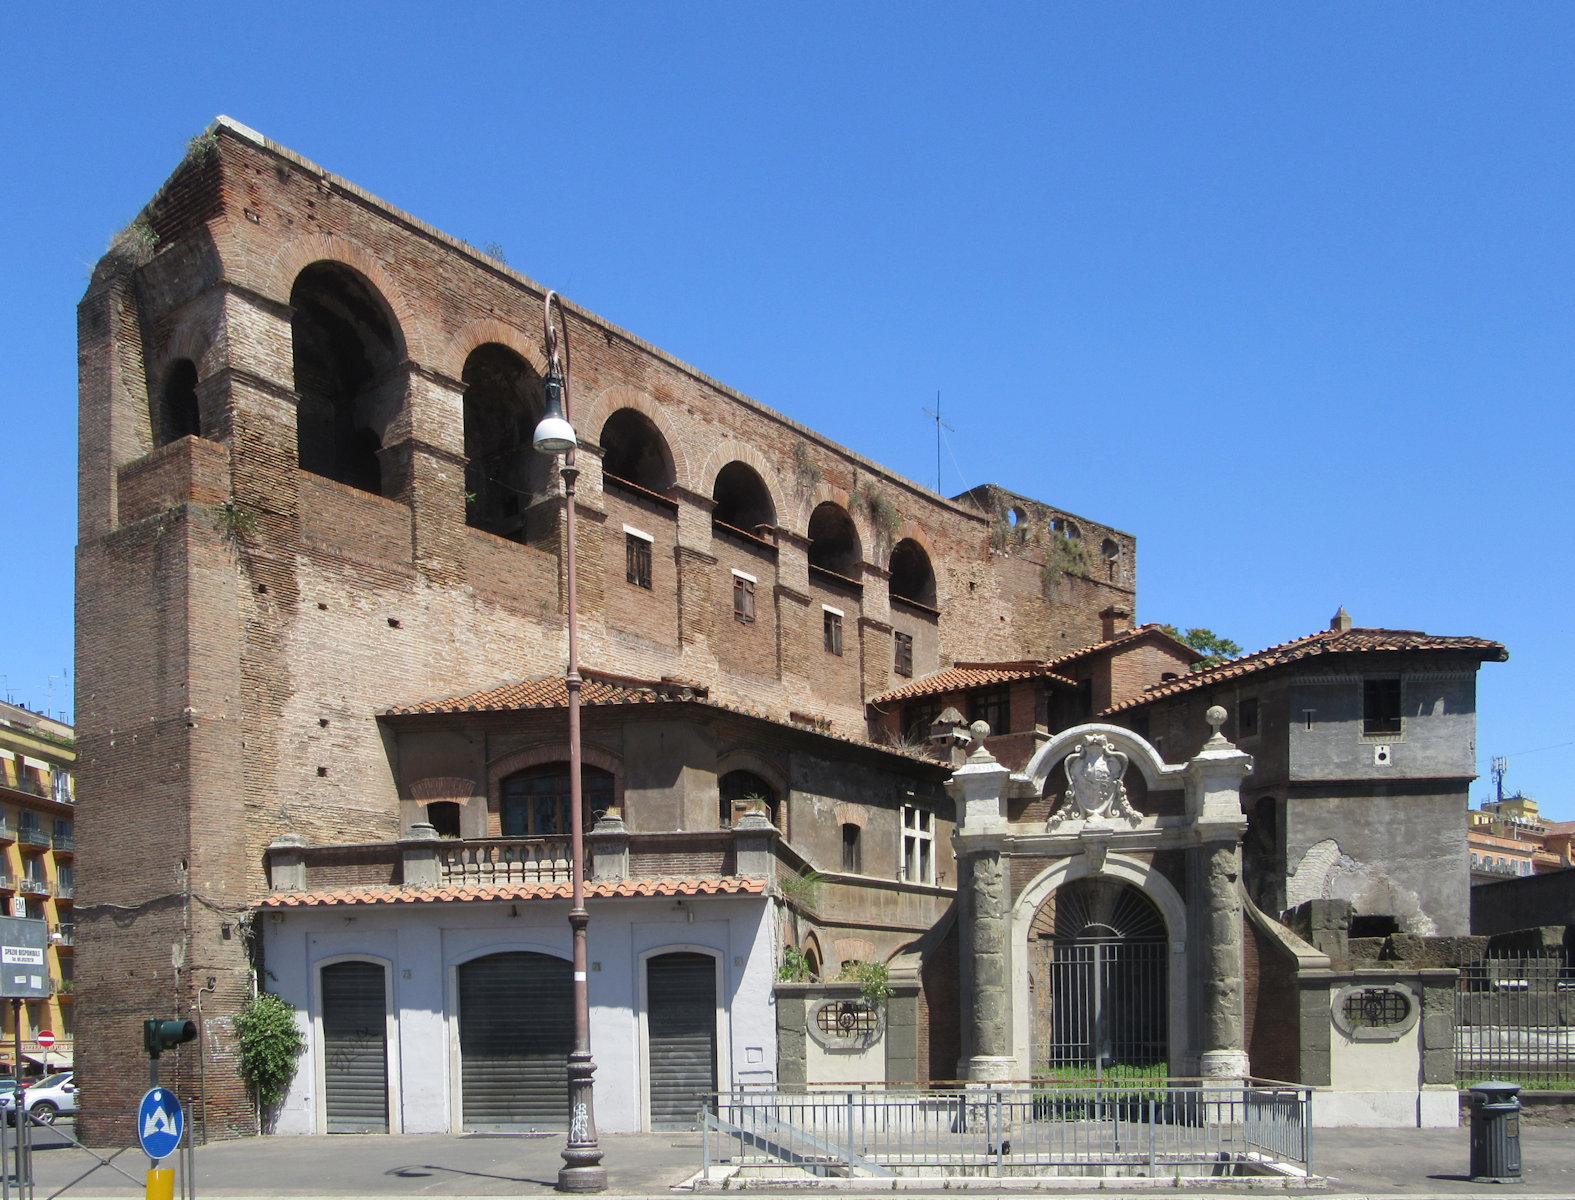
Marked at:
<point>1104,938</point>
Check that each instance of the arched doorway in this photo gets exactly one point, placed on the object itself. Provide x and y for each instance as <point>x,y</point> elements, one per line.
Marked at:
<point>516,1028</point>
<point>1100,982</point>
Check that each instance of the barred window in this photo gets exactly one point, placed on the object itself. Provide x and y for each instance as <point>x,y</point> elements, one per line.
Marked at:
<point>847,1019</point>
<point>904,654</point>
<point>637,559</point>
<point>1376,1008</point>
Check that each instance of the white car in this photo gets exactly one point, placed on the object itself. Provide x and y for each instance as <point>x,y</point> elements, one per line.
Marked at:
<point>45,1100</point>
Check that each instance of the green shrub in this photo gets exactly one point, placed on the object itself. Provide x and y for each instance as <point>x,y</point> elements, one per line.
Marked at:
<point>270,1043</point>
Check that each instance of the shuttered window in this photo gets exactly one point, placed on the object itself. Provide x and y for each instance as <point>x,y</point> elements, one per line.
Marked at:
<point>681,1029</point>
<point>355,1048</point>
<point>516,1028</point>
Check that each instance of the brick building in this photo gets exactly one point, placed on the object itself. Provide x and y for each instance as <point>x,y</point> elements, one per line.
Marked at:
<point>321,618</point>
<point>38,874</point>
<point>321,613</point>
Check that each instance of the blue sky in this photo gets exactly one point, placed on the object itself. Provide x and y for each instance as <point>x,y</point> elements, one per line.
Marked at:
<point>1285,290</point>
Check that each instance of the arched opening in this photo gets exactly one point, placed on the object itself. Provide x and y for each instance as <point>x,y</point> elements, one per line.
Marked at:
<point>834,540</point>
<point>634,451</point>
<point>503,401</point>
<point>443,816</point>
<point>346,353</point>
<point>178,414</point>
<point>746,785</point>
<point>1100,993</point>
<point>681,1043</point>
<point>535,802</point>
<point>912,576</point>
<point>742,500</point>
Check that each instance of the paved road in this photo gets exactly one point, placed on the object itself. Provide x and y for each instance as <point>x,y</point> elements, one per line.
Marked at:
<point>1359,1162</point>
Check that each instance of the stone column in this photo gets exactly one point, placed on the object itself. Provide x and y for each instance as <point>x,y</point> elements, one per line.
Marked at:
<point>418,848</point>
<point>984,908</point>
<point>609,842</point>
<point>1214,811</point>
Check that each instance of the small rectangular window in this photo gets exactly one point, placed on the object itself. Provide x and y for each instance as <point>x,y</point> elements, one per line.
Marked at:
<point>992,707</point>
<point>743,598</point>
<point>904,652</point>
<point>833,631</point>
<point>918,845</point>
<point>1247,718</point>
<point>62,786</point>
<point>637,559</point>
<point>1380,706</point>
<point>850,849</point>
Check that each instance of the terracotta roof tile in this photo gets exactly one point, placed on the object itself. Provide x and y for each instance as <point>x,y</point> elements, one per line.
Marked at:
<point>1326,641</point>
<point>963,676</point>
<point>463,893</point>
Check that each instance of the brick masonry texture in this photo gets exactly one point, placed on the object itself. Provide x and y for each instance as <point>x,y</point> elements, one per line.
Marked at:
<point>241,622</point>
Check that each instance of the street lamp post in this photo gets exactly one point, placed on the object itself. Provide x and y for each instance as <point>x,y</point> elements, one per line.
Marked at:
<point>582,1169</point>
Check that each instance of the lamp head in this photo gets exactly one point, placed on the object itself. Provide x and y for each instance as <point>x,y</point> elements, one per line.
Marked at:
<point>554,435</point>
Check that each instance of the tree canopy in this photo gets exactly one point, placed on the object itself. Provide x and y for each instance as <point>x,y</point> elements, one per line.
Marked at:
<point>1214,648</point>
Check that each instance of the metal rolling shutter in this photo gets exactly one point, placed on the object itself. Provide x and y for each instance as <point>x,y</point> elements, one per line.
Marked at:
<point>681,1026</point>
<point>355,1048</point>
<point>516,1028</point>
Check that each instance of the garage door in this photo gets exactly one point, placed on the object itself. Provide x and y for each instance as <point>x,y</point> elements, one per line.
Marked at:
<point>680,993</point>
<point>355,1048</point>
<point>516,1028</point>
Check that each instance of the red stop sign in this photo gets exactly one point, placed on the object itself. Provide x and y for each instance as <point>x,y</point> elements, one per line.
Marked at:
<point>45,1038</point>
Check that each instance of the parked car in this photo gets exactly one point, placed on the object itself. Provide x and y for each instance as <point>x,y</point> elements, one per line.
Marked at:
<point>45,1100</point>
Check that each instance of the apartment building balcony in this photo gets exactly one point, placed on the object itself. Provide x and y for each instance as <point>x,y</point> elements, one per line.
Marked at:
<point>66,892</point>
<point>7,831</point>
<point>30,835</point>
<point>7,883</point>
<point>32,887</point>
<point>65,937</point>
<point>64,843</point>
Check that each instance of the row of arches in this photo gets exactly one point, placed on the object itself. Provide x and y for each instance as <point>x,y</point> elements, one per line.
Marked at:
<point>350,373</point>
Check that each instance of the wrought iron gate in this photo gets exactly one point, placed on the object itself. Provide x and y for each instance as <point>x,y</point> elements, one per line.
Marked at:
<point>1100,979</point>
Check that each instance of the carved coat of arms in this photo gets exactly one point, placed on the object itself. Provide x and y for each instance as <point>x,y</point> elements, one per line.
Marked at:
<point>1095,790</point>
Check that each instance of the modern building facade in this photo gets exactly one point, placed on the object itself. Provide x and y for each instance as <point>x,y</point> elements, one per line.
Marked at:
<point>38,875</point>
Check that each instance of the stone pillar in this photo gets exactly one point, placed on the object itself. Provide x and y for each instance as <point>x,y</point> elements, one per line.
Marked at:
<point>609,842</point>
<point>984,910</point>
<point>286,863</point>
<point>419,848</point>
<point>1214,811</point>
<point>754,841</point>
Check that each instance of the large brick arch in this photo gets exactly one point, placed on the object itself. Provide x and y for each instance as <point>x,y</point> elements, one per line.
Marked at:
<point>591,413</point>
<point>845,500</point>
<point>730,452</point>
<point>471,336</point>
<point>277,277</point>
<point>192,337</point>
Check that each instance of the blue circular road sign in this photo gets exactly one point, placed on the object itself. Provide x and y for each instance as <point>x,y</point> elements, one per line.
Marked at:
<point>159,1123</point>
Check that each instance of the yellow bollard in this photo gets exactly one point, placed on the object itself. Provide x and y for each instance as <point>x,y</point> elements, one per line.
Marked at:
<point>161,1183</point>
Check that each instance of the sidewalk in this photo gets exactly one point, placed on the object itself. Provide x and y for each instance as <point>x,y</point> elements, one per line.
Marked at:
<point>1359,1162</point>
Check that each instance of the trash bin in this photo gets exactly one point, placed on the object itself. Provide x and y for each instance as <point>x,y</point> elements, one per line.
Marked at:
<point>1495,1132</point>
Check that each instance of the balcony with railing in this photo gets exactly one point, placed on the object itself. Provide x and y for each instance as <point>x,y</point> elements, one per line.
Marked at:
<point>66,892</point>
<point>65,936</point>
<point>7,831</point>
<point>64,843</point>
<point>32,835</point>
<point>29,886</point>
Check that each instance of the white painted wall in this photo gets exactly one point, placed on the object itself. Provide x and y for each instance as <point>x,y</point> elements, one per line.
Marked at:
<point>424,945</point>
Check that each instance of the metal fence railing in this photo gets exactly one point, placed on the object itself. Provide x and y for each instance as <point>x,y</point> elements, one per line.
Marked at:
<point>1515,1020</point>
<point>1166,1129</point>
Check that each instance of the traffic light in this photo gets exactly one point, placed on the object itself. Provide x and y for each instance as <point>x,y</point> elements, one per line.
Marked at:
<point>166,1035</point>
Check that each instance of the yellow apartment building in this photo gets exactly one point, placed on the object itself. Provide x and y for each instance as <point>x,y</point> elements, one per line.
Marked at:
<point>37,876</point>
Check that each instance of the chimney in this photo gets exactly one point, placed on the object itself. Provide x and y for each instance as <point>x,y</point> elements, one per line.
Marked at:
<point>1115,619</point>
<point>1342,620</point>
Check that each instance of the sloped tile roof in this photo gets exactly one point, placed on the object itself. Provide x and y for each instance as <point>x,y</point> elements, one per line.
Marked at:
<point>596,890</point>
<point>964,676</point>
<point>1324,642</point>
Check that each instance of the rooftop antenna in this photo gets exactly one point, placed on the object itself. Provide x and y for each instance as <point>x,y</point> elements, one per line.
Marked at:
<point>939,425</point>
<point>1499,767</point>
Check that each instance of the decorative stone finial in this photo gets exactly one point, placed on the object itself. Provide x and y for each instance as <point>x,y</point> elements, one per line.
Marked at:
<point>1342,621</point>
<point>980,730</point>
<point>1215,717</point>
